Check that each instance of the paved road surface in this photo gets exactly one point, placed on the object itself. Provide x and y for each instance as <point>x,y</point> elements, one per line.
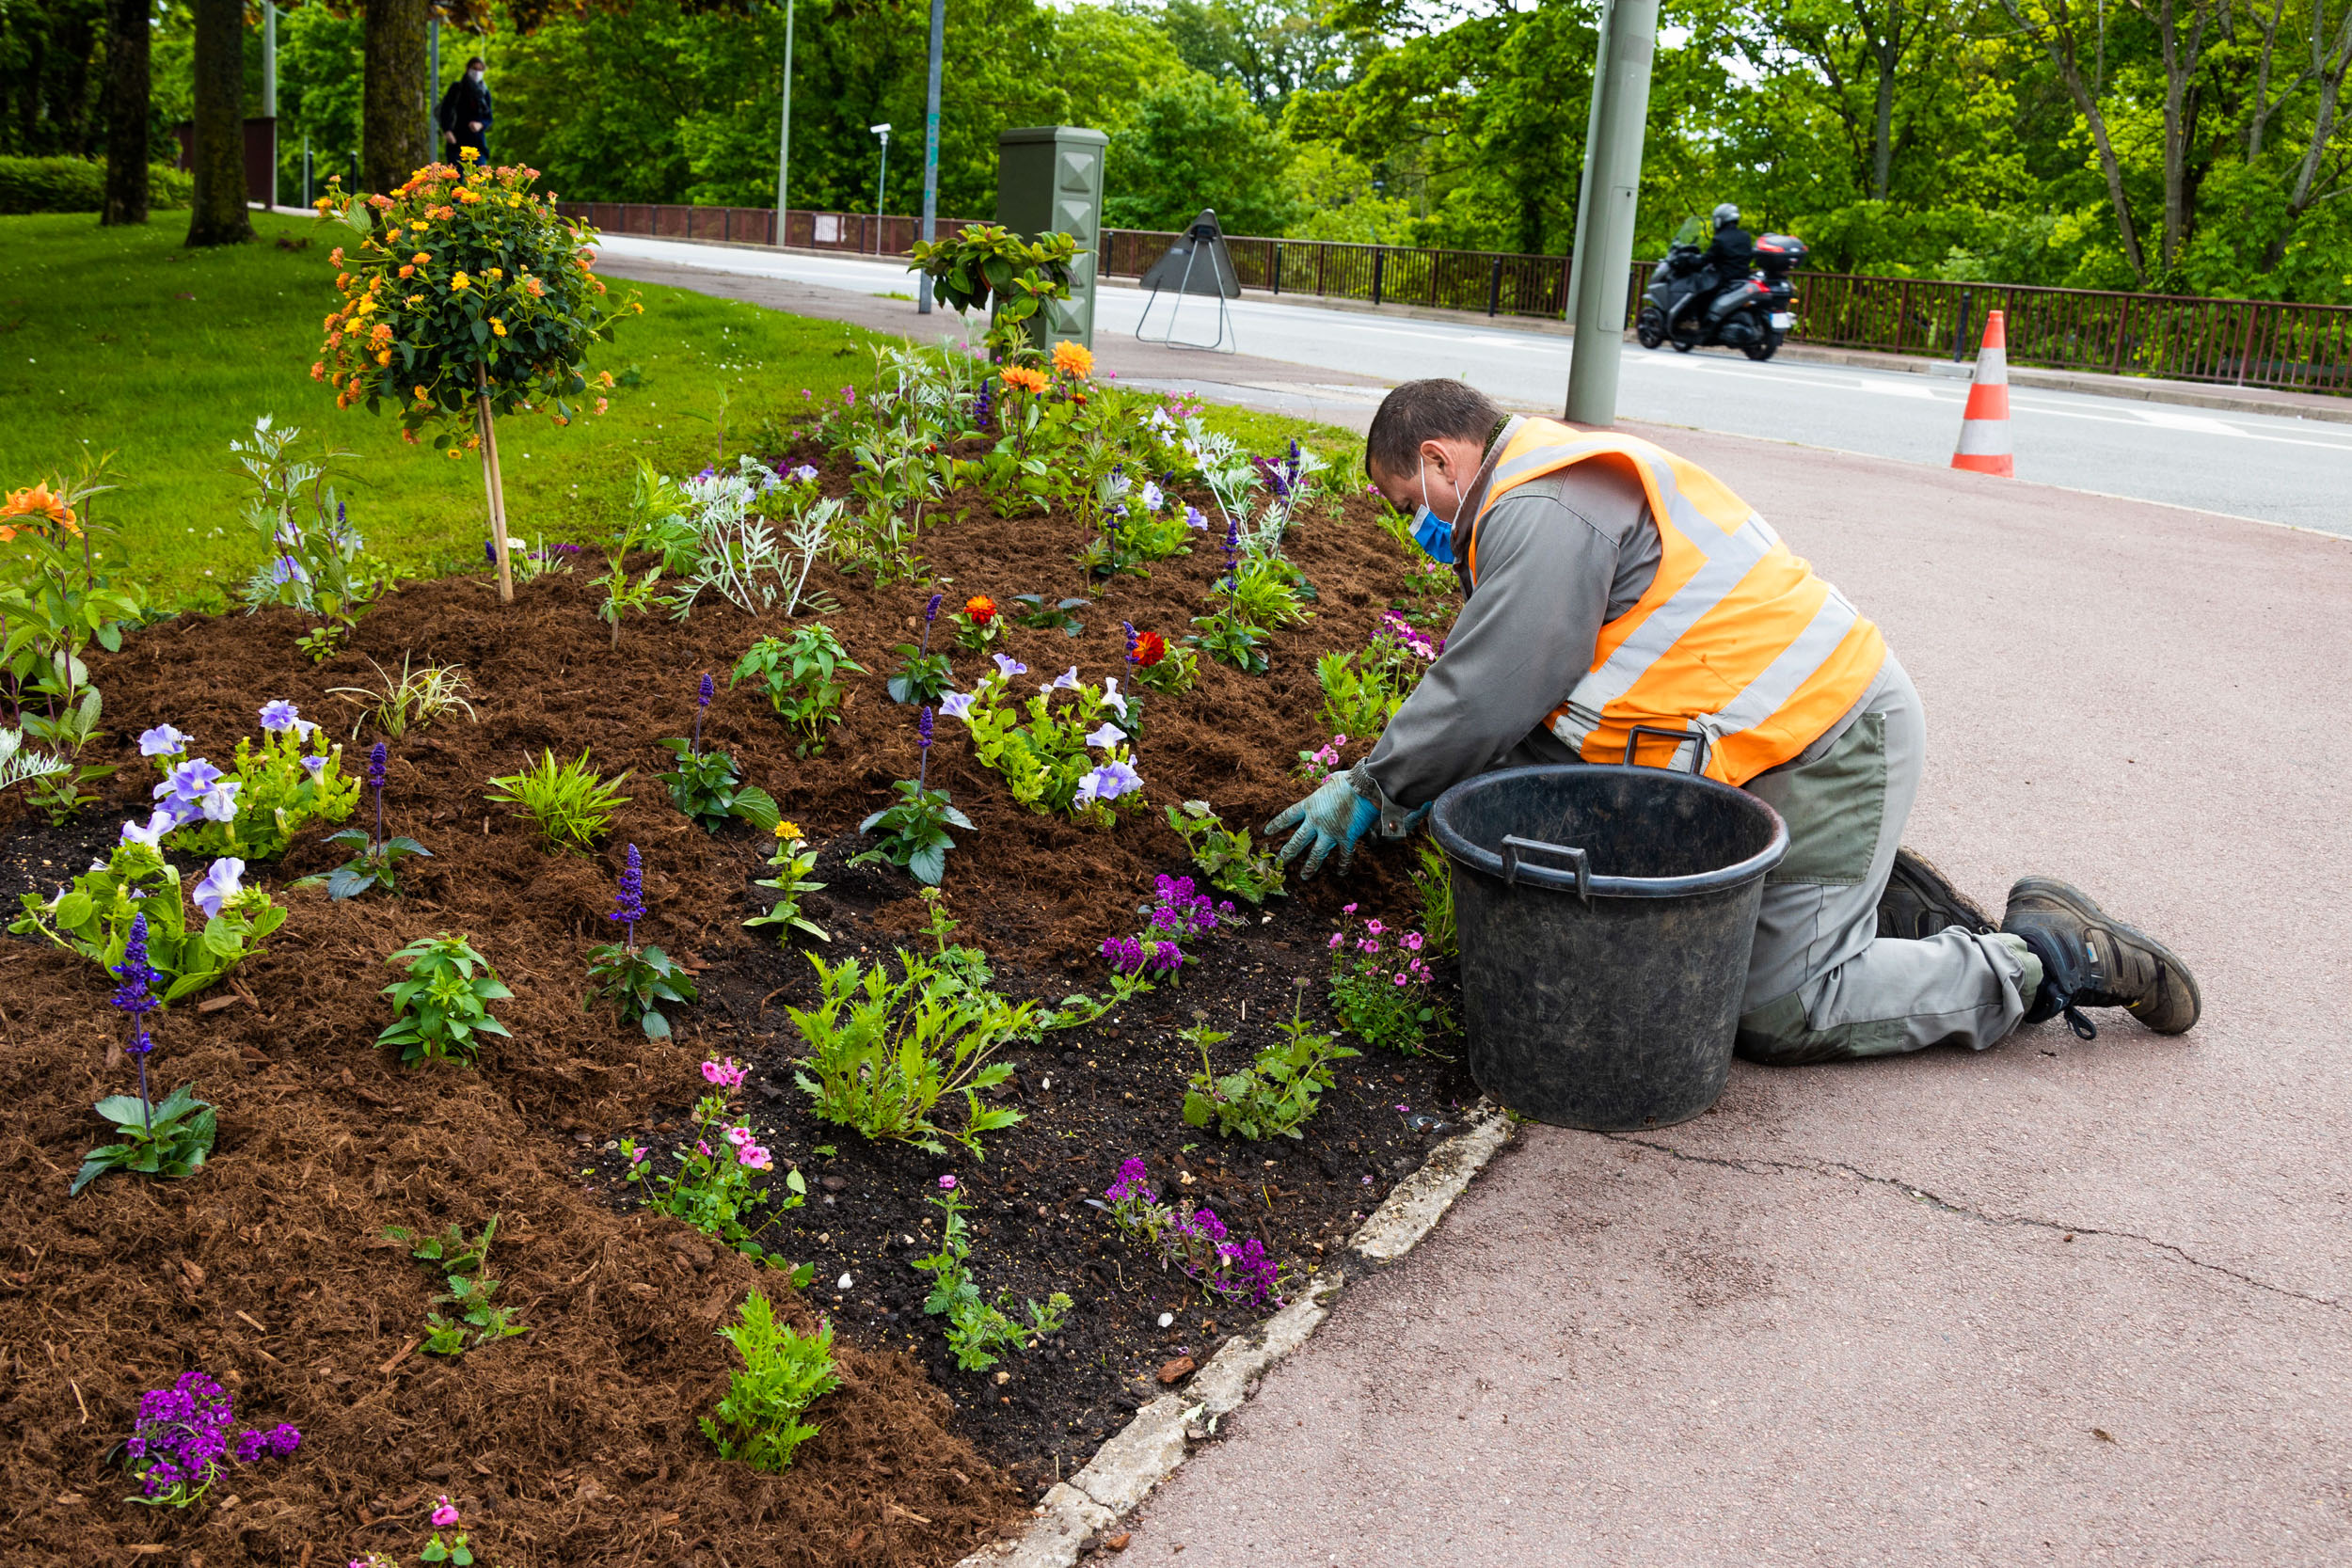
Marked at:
<point>2274,468</point>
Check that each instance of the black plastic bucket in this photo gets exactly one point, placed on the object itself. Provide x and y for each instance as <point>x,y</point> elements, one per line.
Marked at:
<point>1605,917</point>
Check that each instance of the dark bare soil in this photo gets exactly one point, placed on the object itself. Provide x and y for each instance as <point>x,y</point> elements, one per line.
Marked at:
<point>575,1443</point>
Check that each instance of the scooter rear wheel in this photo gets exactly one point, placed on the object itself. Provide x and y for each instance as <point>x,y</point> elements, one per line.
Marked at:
<point>1764,350</point>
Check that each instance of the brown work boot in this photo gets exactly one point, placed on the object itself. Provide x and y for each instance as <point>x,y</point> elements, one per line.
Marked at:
<point>2090,960</point>
<point>1920,900</point>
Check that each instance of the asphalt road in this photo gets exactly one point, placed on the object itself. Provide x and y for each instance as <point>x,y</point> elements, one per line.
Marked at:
<point>2272,469</point>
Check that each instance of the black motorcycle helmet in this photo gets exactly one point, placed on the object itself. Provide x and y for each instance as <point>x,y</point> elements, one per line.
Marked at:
<point>1727,217</point>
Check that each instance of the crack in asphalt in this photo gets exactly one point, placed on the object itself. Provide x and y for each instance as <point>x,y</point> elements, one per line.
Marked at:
<point>1753,1164</point>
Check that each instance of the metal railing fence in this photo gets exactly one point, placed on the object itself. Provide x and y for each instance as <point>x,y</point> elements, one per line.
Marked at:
<point>2305,348</point>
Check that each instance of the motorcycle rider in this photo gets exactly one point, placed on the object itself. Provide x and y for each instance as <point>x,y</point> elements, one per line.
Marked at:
<point>1729,259</point>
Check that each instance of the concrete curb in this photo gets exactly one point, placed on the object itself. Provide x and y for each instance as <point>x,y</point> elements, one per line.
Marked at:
<point>1077,1511</point>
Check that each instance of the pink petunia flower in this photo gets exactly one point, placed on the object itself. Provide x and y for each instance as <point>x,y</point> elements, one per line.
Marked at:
<point>947,1183</point>
<point>1336,940</point>
<point>1375,926</point>
<point>446,1514</point>
<point>1411,941</point>
<point>755,1158</point>
<point>740,1137</point>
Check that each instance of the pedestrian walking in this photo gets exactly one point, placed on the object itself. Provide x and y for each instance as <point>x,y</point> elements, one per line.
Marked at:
<point>465,113</point>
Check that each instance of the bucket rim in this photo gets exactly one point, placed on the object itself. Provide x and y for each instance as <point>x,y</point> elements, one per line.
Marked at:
<point>1463,852</point>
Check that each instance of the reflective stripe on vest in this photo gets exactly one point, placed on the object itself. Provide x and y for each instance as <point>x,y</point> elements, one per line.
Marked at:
<point>1735,639</point>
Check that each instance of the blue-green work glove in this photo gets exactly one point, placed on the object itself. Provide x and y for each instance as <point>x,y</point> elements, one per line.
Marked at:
<point>1333,818</point>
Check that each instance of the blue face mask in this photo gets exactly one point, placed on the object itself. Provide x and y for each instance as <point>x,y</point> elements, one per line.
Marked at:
<point>1433,533</point>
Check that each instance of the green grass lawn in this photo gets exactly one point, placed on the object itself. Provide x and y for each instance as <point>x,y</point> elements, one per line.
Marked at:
<point>119,341</point>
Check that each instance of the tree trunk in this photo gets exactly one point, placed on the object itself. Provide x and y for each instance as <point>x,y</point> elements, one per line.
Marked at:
<point>395,129</point>
<point>219,216</point>
<point>128,106</point>
<point>2056,37</point>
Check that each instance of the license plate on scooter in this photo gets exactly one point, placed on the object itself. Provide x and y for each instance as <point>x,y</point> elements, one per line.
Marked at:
<point>1783,320</point>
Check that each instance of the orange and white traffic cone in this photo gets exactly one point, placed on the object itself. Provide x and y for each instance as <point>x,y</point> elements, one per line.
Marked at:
<point>1984,424</point>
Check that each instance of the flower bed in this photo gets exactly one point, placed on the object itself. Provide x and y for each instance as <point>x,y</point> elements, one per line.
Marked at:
<point>578,1439</point>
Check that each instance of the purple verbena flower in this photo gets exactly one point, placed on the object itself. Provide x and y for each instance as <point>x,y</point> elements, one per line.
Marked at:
<point>1124,953</point>
<point>135,997</point>
<point>379,755</point>
<point>705,691</point>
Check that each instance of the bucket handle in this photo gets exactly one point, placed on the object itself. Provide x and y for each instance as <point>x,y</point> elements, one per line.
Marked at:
<point>1698,738</point>
<point>1514,846</point>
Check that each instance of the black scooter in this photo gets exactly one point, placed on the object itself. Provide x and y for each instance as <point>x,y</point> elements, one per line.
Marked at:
<point>1752,314</point>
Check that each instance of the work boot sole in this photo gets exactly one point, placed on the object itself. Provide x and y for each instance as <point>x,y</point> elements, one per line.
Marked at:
<point>2162,1008</point>
<point>1920,900</point>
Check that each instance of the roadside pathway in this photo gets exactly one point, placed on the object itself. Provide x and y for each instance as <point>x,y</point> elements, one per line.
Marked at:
<point>2059,1302</point>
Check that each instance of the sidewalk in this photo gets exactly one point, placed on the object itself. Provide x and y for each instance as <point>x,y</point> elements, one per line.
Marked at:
<point>2057,1304</point>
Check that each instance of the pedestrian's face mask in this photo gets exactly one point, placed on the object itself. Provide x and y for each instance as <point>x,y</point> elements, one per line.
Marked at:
<point>1433,533</point>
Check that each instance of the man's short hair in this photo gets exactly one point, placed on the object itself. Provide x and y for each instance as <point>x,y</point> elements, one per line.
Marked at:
<point>1432,410</point>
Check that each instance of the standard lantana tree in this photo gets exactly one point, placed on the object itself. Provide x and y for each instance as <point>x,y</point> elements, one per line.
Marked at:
<point>465,296</point>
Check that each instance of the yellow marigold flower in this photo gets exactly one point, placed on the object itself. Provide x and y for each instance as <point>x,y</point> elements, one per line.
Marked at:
<point>1074,358</point>
<point>789,830</point>
<point>390,235</point>
<point>459,283</point>
<point>416,299</point>
<point>384,356</point>
<point>495,272</point>
<point>364,307</point>
<point>469,155</point>
<point>454,454</point>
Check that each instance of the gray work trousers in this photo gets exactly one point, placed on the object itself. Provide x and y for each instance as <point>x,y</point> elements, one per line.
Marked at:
<point>1822,984</point>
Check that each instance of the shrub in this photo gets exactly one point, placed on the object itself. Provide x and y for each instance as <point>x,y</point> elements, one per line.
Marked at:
<point>442,1005</point>
<point>978,1329</point>
<point>570,805</point>
<point>79,185</point>
<point>883,1052</point>
<point>784,1373</point>
<point>798,676</point>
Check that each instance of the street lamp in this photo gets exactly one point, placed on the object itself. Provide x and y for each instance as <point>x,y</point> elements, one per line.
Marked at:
<point>881,179</point>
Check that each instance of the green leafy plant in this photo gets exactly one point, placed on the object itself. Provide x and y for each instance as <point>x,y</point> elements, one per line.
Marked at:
<point>52,608</point>
<point>1037,615</point>
<point>988,265</point>
<point>1276,1094</point>
<point>978,1329</point>
<point>271,793</point>
<point>170,1138</point>
<point>1154,664</point>
<point>1230,860</point>
<point>93,917</point>
<point>657,522</point>
<point>912,832</point>
<point>758,1419</point>
<point>791,860</point>
<point>923,677</point>
<point>641,981</point>
<point>706,788</point>
<point>314,562</point>
<point>1433,882</point>
<point>443,1005</point>
<point>568,804</point>
<point>1380,986</point>
<point>19,766</point>
<point>415,700</point>
<point>798,678</point>
<point>716,1180</point>
<point>1049,760</point>
<point>884,1051</point>
<point>464,1267</point>
<point>980,625</point>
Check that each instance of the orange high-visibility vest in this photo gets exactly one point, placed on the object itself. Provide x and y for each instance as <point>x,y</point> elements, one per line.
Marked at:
<point>1736,638</point>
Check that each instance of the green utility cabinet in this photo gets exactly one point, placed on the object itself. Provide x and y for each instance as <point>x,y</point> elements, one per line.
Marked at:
<point>1049,180</point>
